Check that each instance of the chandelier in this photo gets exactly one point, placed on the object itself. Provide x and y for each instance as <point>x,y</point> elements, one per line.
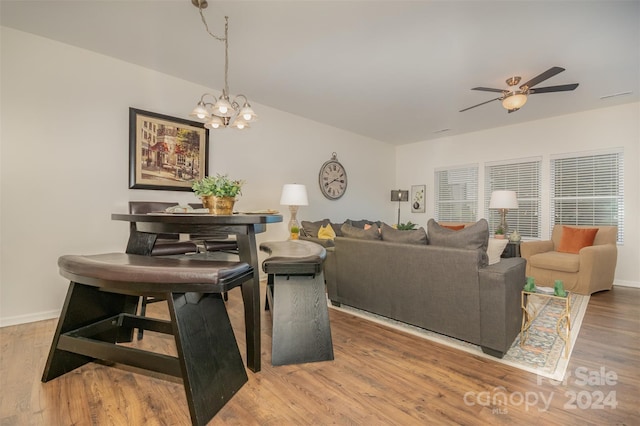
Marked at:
<point>222,112</point>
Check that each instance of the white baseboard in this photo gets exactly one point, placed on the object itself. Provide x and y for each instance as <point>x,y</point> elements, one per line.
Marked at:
<point>624,283</point>
<point>23,319</point>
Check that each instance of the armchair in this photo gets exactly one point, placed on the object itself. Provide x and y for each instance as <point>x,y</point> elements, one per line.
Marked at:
<point>592,269</point>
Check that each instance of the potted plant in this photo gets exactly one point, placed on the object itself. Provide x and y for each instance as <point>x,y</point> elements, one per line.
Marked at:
<point>499,233</point>
<point>406,226</point>
<point>218,193</point>
<point>295,232</point>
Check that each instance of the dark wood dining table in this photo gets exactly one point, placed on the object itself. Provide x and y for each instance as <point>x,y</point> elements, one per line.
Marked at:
<point>243,226</point>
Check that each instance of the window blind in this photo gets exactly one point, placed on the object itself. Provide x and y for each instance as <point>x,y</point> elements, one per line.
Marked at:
<point>523,177</point>
<point>588,190</point>
<point>456,194</point>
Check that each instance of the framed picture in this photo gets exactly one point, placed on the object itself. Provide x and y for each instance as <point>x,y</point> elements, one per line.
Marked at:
<point>166,153</point>
<point>417,198</point>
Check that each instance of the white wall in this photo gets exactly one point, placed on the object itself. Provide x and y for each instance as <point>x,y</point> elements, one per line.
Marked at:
<point>609,127</point>
<point>64,163</point>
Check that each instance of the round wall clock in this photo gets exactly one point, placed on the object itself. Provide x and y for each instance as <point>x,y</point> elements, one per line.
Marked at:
<point>333,178</point>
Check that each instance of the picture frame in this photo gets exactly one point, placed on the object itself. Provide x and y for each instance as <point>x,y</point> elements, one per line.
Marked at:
<point>166,153</point>
<point>418,198</point>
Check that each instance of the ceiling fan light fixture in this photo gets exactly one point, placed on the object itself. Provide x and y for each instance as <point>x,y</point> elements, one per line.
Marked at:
<point>514,100</point>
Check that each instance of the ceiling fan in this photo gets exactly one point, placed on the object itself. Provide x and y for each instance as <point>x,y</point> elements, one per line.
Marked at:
<point>514,97</point>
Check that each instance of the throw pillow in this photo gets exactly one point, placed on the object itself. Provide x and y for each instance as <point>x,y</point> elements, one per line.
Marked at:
<point>453,227</point>
<point>310,229</point>
<point>326,232</point>
<point>414,236</point>
<point>495,249</point>
<point>574,239</point>
<point>351,231</point>
<point>474,236</point>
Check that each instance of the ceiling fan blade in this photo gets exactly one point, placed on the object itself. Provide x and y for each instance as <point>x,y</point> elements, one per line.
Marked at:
<point>548,89</point>
<point>542,77</point>
<point>486,102</point>
<point>488,89</point>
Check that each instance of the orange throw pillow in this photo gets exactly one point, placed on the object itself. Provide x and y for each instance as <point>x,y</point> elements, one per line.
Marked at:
<point>453,227</point>
<point>573,239</point>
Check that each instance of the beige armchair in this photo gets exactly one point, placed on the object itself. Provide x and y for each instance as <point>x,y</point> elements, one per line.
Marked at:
<point>587,272</point>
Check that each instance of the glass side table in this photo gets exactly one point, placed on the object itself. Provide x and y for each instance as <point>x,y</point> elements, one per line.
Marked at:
<point>530,312</point>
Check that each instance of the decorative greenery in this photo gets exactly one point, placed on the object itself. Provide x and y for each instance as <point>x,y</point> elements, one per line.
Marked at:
<point>218,185</point>
<point>407,226</point>
<point>499,230</point>
<point>295,230</point>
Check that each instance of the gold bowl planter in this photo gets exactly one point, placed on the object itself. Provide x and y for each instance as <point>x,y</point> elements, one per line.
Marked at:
<point>218,205</point>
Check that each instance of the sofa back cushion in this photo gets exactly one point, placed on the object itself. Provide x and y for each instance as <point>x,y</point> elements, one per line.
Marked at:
<point>350,231</point>
<point>472,237</point>
<point>414,236</point>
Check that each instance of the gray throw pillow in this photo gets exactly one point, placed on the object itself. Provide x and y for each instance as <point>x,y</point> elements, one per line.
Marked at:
<point>475,236</point>
<point>351,231</point>
<point>337,228</point>
<point>310,229</point>
<point>414,236</point>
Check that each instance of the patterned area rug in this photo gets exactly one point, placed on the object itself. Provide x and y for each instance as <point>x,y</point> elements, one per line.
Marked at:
<point>543,352</point>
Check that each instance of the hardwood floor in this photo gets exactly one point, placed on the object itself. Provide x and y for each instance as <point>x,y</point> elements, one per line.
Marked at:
<point>379,377</point>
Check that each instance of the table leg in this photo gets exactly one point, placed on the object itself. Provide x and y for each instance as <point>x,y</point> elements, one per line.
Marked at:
<point>251,297</point>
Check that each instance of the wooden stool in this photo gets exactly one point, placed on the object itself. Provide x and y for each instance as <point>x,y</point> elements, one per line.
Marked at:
<point>296,295</point>
<point>99,312</point>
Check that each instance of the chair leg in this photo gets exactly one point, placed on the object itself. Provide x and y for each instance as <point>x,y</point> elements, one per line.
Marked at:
<point>213,370</point>
<point>84,305</point>
<point>143,311</point>
<point>301,328</point>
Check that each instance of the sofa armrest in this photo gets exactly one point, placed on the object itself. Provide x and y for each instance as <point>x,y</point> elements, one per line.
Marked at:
<point>529,248</point>
<point>597,267</point>
<point>500,313</point>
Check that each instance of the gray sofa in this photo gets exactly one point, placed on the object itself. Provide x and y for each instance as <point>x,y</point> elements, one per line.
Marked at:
<point>445,286</point>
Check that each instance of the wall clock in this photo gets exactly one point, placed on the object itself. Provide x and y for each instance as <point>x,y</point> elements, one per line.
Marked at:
<point>333,178</point>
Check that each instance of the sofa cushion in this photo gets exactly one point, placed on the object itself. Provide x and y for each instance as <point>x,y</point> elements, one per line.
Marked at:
<point>556,261</point>
<point>310,229</point>
<point>414,236</point>
<point>574,239</point>
<point>326,232</point>
<point>495,249</point>
<point>472,237</point>
<point>351,231</point>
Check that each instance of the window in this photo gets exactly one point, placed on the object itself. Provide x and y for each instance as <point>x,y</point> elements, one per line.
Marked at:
<point>456,193</point>
<point>522,176</point>
<point>588,190</point>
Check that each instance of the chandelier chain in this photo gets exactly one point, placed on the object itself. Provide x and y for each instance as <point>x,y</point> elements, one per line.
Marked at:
<point>225,39</point>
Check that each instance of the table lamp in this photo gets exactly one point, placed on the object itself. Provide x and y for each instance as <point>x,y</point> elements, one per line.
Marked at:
<point>294,195</point>
<point>399,195</point>
<point>503,201</point>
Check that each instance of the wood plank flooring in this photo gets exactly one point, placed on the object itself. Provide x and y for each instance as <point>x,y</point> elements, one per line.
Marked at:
<point>379,377</point>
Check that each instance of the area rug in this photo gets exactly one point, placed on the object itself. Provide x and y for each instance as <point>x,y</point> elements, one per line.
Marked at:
<point>543,352</point>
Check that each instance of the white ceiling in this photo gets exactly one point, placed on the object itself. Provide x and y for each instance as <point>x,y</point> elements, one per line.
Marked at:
<point>397,71</point>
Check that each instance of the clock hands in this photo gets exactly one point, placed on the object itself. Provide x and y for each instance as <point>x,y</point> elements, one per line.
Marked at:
<point>336,179</point>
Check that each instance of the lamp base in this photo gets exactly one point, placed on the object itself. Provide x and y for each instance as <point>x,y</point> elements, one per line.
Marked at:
<point>503,222</point>
<point>294,226</point>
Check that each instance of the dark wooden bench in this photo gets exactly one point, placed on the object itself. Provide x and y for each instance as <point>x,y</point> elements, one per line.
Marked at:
<point>100,311</point>
<point>297,299</point>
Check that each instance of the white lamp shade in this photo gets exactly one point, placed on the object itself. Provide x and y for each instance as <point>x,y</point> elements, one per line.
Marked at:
<point>294,195</point>
<point>503,200</point>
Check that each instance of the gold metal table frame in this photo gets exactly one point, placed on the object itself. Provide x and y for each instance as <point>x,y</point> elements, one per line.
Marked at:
<point>531,311</point>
